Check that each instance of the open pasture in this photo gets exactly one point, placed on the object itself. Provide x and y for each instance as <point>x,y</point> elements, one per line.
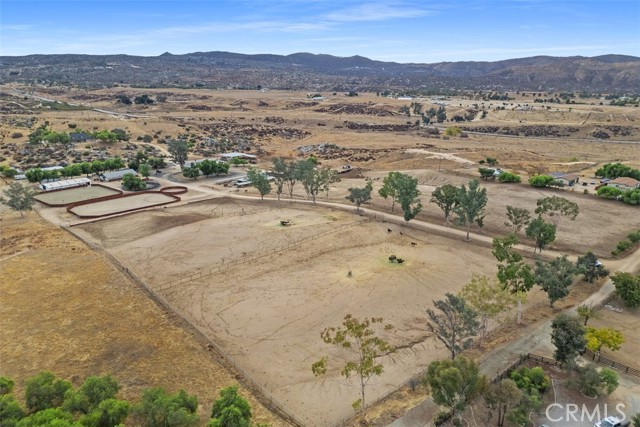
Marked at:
<point>75,195</point>
<point>267,314</point>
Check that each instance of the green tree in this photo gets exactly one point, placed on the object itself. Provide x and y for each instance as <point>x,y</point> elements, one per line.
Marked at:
<point>10,411</point>
<point>207,167</point>
<point>34,175</point>
<point>531,379</point>
<point>517,218</point>
<point>541,181</point>
<point>18,197</point>
<point>50,417</point>
<point>509,177</point>
<point>230,410</point>
<point>159,409</point>
<point>143,99</point>
<point>157,163</point>
<point>144,169</point>
<point>389,187</point>
<point>364,350</point>
<point>607,192</point>
<point>603,337</point>
<point>588,311</point>
<point>592,383</point>
<point>455,383</point>
<point>541,232</point>
<point>259,180</point>
<point>359,196</point>
<point>407,194</point>
<point>555,277</point>
<point>45,391</point>
<point>568,337</point>
<point>314,180</point>
<point>446,197</point>
<point>455,323</point>
<point>97,166</point>
<point>131,182</point>
<point>93,391</point>
<point>556,207</point>
<point>487,173</point>
<point>628,287</point>
<point>513,273</point>
<point>279,171</point>
<point>179,151</point>
<point>109,413</point>
<point>487,297</point>
<point>635,420</point>
<point>471,204</point>
<point>191,172</point>
<point>6,385</point>
<point>592,269</point>
<point>501,397</point>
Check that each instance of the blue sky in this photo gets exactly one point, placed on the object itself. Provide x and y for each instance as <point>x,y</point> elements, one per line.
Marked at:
<point>422,31</point>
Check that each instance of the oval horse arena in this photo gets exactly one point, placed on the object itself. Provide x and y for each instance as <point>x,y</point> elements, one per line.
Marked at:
<point>131,202</point>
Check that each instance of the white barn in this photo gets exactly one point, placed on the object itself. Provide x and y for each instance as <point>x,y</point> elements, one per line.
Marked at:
<point>67,183</point>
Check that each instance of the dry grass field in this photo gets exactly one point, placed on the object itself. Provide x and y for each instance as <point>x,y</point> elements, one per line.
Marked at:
<point>267,313</point>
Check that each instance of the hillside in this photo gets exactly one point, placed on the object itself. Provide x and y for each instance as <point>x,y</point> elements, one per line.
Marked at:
<point>604,74</point>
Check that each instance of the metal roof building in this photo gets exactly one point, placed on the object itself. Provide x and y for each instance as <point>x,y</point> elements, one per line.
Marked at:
<point>67,183</point>
<point>116,175</point>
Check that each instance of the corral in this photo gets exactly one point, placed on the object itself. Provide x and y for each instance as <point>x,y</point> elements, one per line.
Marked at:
<point>75,195</point>
<point>275,288</point>
<point>122,203</point>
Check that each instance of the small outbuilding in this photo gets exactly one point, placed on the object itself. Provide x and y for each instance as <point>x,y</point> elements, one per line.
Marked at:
<point>116,175</point>
<point>76,137</point>
<point>66,183</point>
<point>227,157</point>
<point>568,179</point>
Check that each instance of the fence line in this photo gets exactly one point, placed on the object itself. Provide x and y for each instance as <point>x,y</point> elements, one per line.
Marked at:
<point>598,358</point>
<point>223,266</point>
<point>244,377</point>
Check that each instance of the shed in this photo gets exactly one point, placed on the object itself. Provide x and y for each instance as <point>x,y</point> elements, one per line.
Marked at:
<point>76,137</point>
<point>116,175</point>
<point>67,183</point>
<point>566,178</point>
<point>230,156</point>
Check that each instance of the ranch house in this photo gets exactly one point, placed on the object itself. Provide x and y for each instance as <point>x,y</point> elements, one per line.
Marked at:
<point>568,179</point>
<point>624,183</point>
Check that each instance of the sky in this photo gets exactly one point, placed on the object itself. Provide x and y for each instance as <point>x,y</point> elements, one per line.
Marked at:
<point>424,31</point>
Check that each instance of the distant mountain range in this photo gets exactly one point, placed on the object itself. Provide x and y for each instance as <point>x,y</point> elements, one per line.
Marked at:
<point>305,71</point>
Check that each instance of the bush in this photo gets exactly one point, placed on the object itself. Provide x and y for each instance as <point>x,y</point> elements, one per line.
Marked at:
<point>607,192</point>
<point>16,135</point>
<point>623,245</point>
<point>509,177</point>
<point>531,380</point>
<point>634,237</point>
<point>441,418</point>
<point>541,181</point>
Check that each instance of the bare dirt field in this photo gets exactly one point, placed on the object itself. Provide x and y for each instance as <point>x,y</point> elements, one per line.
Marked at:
<point>129,202</point>
<point>75,195</point>
<point>268,314</point>
<point>588,232</point>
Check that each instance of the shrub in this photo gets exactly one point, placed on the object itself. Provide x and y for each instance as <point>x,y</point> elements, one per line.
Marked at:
<point>607,192</point>
<point>634,237</point>
<point>16,135</point>
<point>541,181</point>
<point>530,380</point>
<point>623,245</point>
<point>509,177</point>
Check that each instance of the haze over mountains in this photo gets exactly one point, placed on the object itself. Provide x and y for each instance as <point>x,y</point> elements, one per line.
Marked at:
<point>305,71</point>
